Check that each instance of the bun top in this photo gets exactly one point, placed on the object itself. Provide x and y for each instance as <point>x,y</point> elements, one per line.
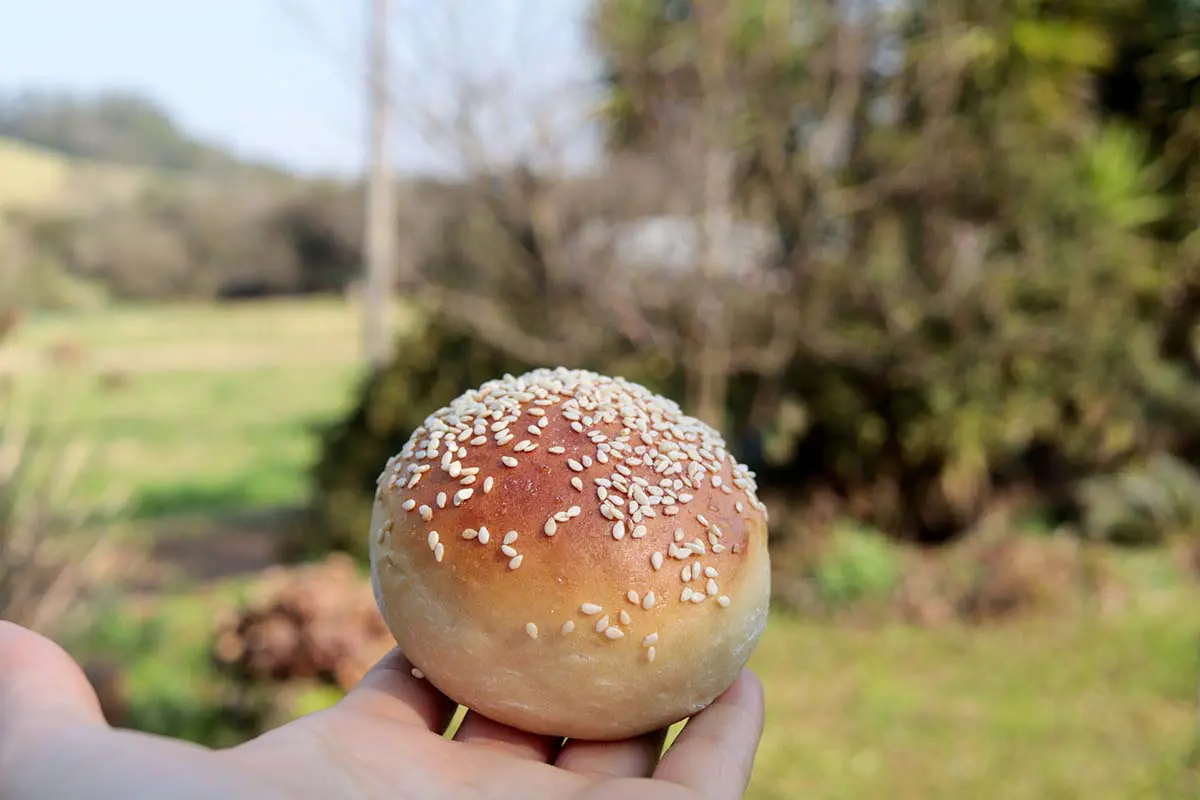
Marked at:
<point>564,501</point>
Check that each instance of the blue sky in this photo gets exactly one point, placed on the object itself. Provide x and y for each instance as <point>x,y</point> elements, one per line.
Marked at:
<point>281,79</point>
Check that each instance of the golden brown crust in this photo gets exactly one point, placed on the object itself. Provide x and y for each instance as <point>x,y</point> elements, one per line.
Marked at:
<point>595,476</point>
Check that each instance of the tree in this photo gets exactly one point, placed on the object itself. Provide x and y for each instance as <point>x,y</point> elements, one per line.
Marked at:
<point>974,291</point>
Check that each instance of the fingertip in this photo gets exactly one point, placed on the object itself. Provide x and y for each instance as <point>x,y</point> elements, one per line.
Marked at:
<point>747,690</point>
<point>714,753</point>
<point>391,689</point>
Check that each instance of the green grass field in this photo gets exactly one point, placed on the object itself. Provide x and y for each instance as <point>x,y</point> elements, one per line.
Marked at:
<point>203,413</point>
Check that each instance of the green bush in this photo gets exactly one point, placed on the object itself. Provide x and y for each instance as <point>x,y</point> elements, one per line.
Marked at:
<point>858,565</point>
<point>1145,504</point>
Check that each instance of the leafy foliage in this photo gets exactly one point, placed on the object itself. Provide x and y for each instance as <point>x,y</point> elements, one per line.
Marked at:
<point>972,246</point>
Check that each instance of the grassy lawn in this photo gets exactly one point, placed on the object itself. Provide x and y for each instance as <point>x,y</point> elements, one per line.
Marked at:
<point>192,409</point>
<point>205,412</point>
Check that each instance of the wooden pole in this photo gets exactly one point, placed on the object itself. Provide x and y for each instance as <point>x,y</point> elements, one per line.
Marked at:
<point>380,233</point>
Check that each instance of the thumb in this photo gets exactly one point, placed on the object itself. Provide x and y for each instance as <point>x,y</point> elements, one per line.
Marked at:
<point>42,689</point>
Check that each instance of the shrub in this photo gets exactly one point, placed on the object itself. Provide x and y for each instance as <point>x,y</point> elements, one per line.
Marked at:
<point>317,622</point>
<point>1145,504</point>
<point>858,565</point>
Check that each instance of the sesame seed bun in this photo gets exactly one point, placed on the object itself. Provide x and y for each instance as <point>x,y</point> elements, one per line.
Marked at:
<point>571,555</point>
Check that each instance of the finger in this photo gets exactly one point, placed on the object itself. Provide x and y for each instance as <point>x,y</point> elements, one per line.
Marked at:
<point>42,689</point>
<point>391,690</point>
<point>714,754</point>
<point>632,758</point>
<point>479,730</point>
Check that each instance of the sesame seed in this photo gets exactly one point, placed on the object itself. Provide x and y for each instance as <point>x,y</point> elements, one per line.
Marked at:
<point>550,528</point>
<point>561,516</point>
<point>710,588</point>
<point>416,673</point>
<point>484,535</point>
<point>462,496</point>
<point>624,617</point>
<point>655,458</point>
<point>648,601</point>
<point>590,609</point>
<point>568,626</point>
<point>531,630</point>
<point>426,513</point>
<point>438,552</point>
<point>678,535</point>
<point>441,499</point>
<point>632,596</point>
<point>574,511</point>
<point>656,560</point>
<point>510,537</point>
<point>601,624</point>
<point>508,550</point>
<point>723,601</point>
<point>432,539</point>
<point>515,561</point>
<point>650,654</point>
<point>618,530</point>
<point>686,594</point>
<point>614,633</point>
<point>470,533</point>
<point>650,640</point>
<point>711,572</point>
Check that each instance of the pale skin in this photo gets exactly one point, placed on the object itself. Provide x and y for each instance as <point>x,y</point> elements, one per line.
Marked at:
<point>381,741</point>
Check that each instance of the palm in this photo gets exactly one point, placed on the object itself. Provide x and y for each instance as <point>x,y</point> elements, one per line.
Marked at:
<point>381,741</point>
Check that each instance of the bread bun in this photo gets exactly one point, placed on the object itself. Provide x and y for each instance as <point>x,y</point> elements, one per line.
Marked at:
<point>571,555</point>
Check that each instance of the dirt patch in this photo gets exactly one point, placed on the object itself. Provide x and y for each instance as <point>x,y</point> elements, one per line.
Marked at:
<point>204,549</point>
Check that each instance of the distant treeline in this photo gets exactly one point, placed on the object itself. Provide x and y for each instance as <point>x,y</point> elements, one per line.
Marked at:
<point>115,126</point>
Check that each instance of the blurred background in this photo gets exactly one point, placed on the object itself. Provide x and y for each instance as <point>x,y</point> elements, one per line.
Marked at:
<point>931,266</point>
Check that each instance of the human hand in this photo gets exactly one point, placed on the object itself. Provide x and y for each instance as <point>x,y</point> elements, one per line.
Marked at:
<point>382,740</point>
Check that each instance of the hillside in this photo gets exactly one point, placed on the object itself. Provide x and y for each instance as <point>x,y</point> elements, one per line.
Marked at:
<point>117,127</point>
<point>35,178</point>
